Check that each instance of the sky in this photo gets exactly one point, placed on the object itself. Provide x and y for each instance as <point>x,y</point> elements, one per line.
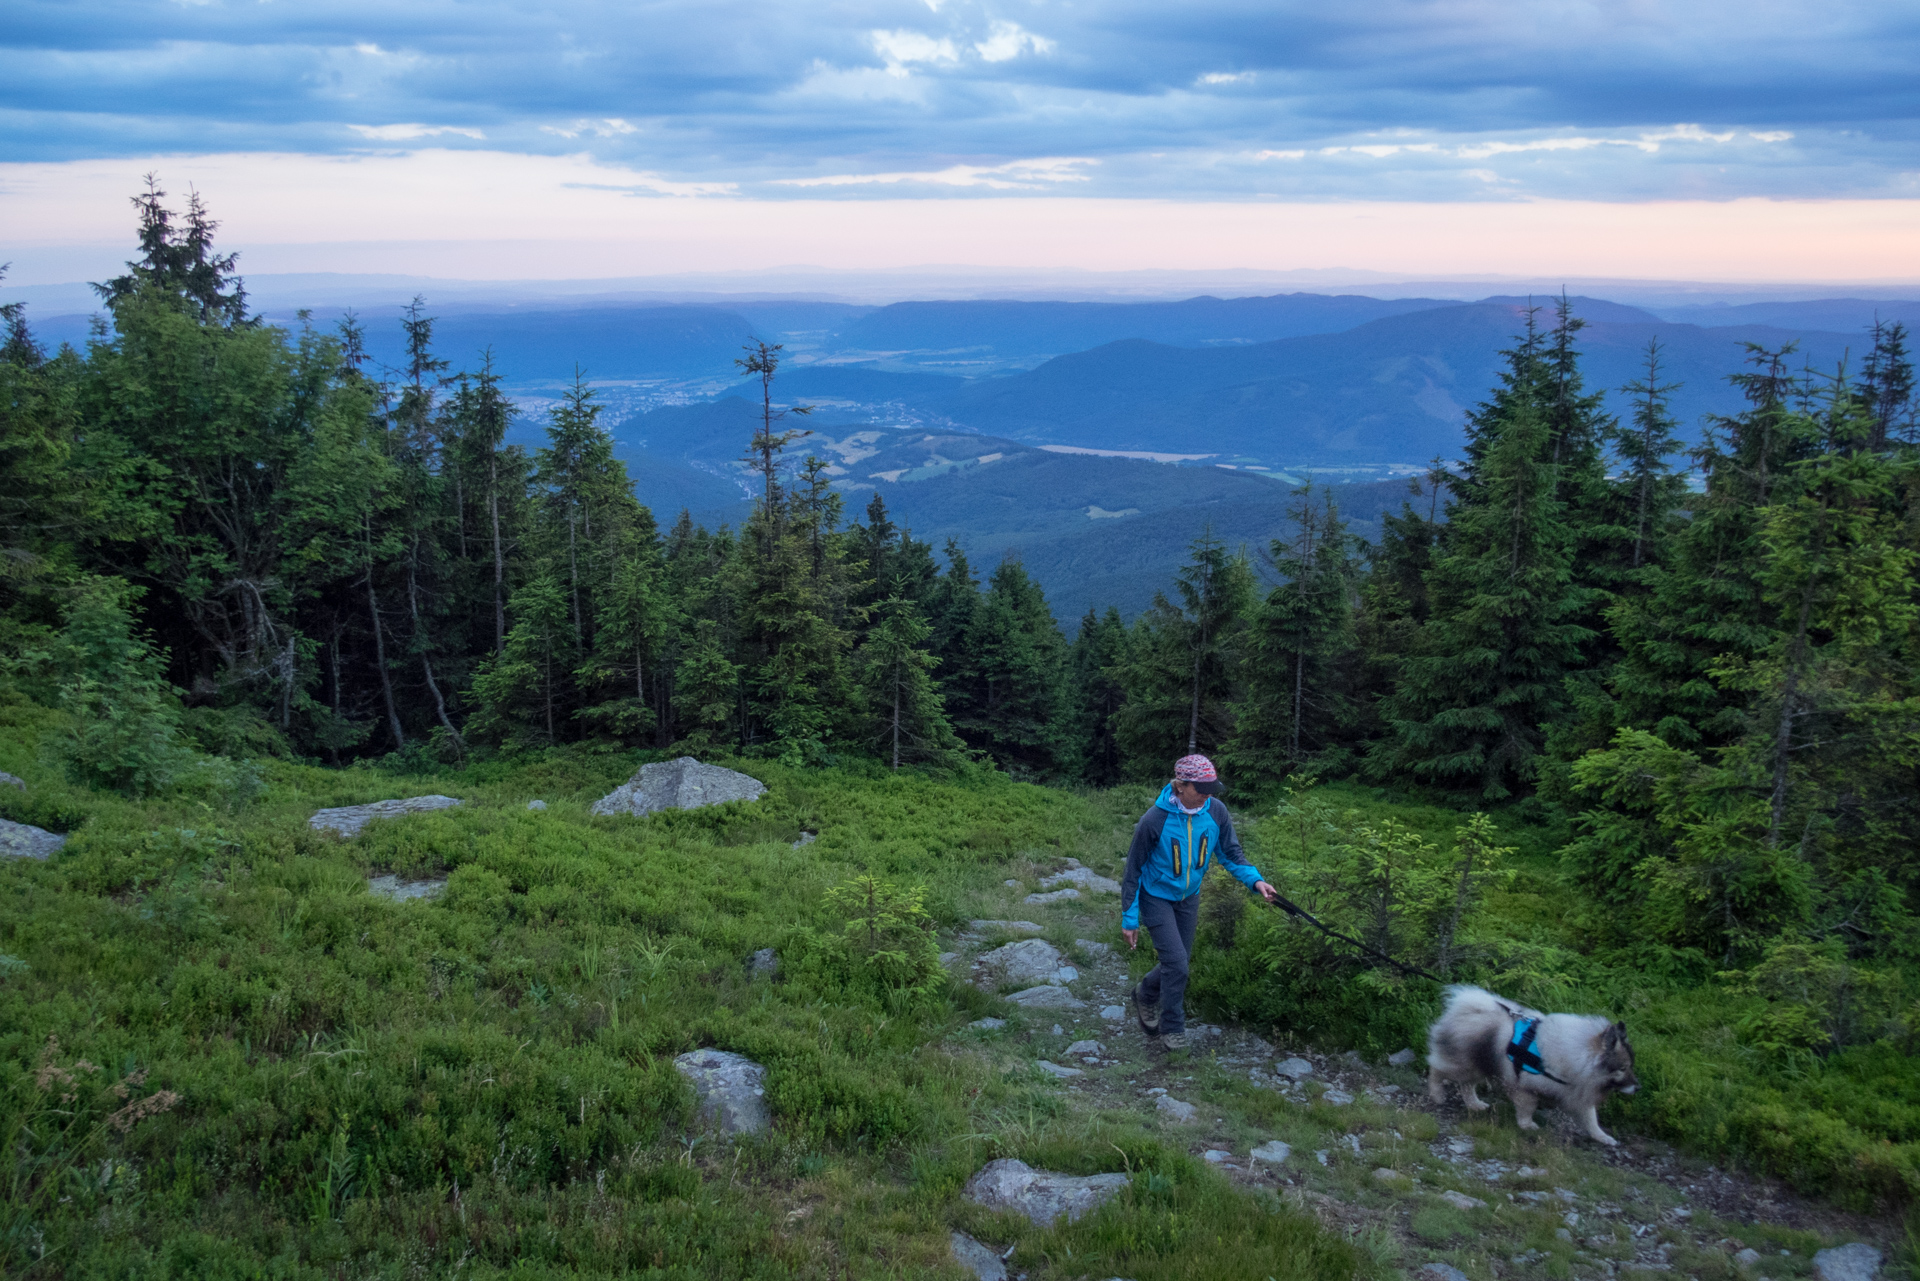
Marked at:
<point>1695,139</point>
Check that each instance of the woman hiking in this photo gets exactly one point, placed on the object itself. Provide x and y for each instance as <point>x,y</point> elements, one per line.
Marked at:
<point>1186,830</point>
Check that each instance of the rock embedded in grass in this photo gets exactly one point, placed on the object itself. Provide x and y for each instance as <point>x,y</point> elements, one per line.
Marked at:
<point>392,887</point>
<point>1461,1201</point>
<point>1055,1069</point>
<point>1401,1058</point>
<point>1057,896</point>
<point>988,1025</point>
<point>1440,1272</point>
<point>977,1259</point>
<point>764,964</point>
<point>12,780</point>
<point>731,1087</point>
<point>1046,997</point>
<point>23,840</point>
<point>1098,951</point>
<point>1294,1069</point>
<point>1041,1195</point>
<point>1337,1098</point>
<point>1176,1111</point>
<point>1083,877</point>
<point>680,784</point>
<point>350,820</point>
<point>1113,1013</point>
<point>1086,1047</point>
<point>1856,1262</point>
<point>1029,961</point>
<point>536,806</point>
<point>1005,927</point>
<point>1272,1152</point>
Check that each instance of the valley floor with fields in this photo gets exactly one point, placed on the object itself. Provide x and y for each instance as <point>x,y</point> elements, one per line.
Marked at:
<point>227,1058</point>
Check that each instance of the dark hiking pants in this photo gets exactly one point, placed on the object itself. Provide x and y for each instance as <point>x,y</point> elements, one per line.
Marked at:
<point>1171,927</point>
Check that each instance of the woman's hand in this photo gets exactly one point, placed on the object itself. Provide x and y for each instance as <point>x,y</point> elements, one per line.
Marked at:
<point>1132,937</point>
<point>1265,891</point>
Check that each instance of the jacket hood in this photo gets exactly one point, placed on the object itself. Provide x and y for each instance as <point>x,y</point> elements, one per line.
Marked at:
<point>1172,806</point>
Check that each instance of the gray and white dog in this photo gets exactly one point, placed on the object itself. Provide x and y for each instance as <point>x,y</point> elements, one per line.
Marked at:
<point>1572,1060</point>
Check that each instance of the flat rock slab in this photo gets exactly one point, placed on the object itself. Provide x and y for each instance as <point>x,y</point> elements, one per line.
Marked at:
<point>1176,1111</point>
<point>1086,1047</point>
<point>23,840</point>
<point>1440,1272</point>
<point>1098,951</point>
<point>1041,1195</point>
<point>1028,961</point>
<point>391,886</point>
<point>1007,927</point>
<point>1854,1262</point>
<point>1057,896</point>
<point>1272,1152</point>
<point>1461,1201</point>
<point>1056,1070</point>
<point>1336,1098</point>
<point>1048,997</point>
<point>12,780</point>
<point>988,1025</point>
<point>682,784</point>
<point>1401,1058</point>
<point>732,1089</point>
<point>536,806</point>
<point>978,1259</point>
<point>1293,1069</point>
<point>1113,1013</point>
<point>349,820</point>
<point>1084,877</point>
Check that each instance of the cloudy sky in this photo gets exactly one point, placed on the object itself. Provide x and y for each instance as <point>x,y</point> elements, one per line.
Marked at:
<point>1450,135</point>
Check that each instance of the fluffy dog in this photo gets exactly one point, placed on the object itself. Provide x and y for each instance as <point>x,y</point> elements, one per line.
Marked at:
<point>1581,1058</point>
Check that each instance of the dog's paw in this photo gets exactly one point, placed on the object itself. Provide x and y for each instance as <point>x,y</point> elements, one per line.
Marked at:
<point>1476,1105</point>
<point>1607,1140</point>
<point>1529,1124</point>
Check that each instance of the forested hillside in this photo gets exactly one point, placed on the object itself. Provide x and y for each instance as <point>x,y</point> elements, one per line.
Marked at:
<point>235,558</point>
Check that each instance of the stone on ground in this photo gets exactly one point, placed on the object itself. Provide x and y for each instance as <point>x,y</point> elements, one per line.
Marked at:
<point>806,838</point>
<point>1098,951</point>
<point>1460,1145</point>
<point>23,840</point>
<point>1057,896</point>
<point>1008,927</point>
<point>1084,877</point>
<point>732,1089</point>
<point>1273,1152</point>
<point>681,784</point>
<point>988,1025</point>
<point>1401,1058</point>
<point>12,780</point>
<point>1336,1098</point>
<point>1029,961</point>
<point>1041,1195</point>
<point>948,958</point>
<point>1176,1111</point>
<point>1086,1047</point>
<point>1856,1262</point>
<point>1047,997</point>
<point>1113,1013</point>
<point>348,820</point>
<point>536,805</point>
<point>1747,1258</point>
<point>1440,1272</point>
<point>391,886</point>
<point>978,1259</point>
<point>1295,1069</point>
<point>1385,1175</point>
<point>765,962</point>
<point>1461,1201</point>
<point>1215,1156</point>
<point>1056,1070</point>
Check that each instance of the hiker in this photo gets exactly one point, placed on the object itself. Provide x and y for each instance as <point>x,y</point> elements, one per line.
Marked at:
<point>1175,841</point>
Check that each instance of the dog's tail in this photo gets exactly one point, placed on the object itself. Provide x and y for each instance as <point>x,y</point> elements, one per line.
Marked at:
<point>1466,1000</point>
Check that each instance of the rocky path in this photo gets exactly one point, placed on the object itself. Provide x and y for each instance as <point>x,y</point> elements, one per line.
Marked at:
<point>1428,1188</point>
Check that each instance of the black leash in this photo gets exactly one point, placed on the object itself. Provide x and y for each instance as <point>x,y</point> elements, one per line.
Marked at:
<point>1289,906</point>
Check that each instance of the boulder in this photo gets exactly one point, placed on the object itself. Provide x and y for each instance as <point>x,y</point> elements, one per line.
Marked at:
<point>682,784</point>
<point>1176,1111</point>
<point>1057,896</point>
<point>348,820</point>
<point>1272,1152</point>
<point>1047,997</point>
<point>1295,1069</point>
<point>1856,1262</point>
<point>732,1089</point>
<point>23,840</point>
<point>1084,877</point>
<point>1029,961</point>
<point>392,887</point>
<point>1041,1195</point>
<point>977,1258</point>
<point>12,780</point>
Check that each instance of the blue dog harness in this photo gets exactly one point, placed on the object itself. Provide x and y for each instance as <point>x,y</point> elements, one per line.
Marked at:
<point>1520,1051</point>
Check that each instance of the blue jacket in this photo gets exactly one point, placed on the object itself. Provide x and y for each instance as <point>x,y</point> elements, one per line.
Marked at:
<point>1172,850</point>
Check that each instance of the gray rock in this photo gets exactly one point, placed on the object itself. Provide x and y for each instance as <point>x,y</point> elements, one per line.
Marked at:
<point>1460,1145</point>
<point>1047,997</point>
<point>764,964</point>
<point>1113,1013</point>
<point>1085,878</point>
<point>348,820</point>
<point>1295,1069</point>
<point>1856,1262</point>
<point>1041,1195</point>
<point>1055,1069</point>
<point>1086,1047</point>
<point>1214,1156</point>
<point>536,806</point>
<point>1461,1201</point>
<point>806,838</point>
<point>1385,1175</point>
<point>988,1025</point>
<point>682,784</point>
<point>732,1089</point>
<point>948,958</point>
<point>1176,1111</point>
<point>1440,1272</point>
<point>1028,961</point>
<point>23,840</point>
<point>978,1259</point>
<point>12,780</point>
<point>1747,1258</point>
<point>1098,951</point>
<point>1005,927</point>
<point>1336,1098</point>
<point>1272,1152</point>
<point>1011,884</point>
<point>392,887</point>
<point>1057,896</point>
<point>1401,1058</point>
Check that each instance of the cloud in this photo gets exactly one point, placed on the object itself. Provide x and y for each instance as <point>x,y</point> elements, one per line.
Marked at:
<point>1007,40</point>
<point>406,133</point>
<point>611,127</point>
<point>1015,175</point>
<point>901,48</point>
<point>1225,78</point>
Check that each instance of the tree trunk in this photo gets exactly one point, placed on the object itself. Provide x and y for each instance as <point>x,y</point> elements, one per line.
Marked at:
<point>573,574</point>
<point>1790,694</point>
<point>499,564</point>
<point>380,660</point>
<point>426,665</point>
<point>1299,698</point>
<point>896,724</point>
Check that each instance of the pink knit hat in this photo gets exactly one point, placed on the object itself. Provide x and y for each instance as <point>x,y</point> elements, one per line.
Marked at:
<point>1199,771</point>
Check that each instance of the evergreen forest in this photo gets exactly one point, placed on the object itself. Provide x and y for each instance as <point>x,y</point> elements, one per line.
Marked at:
<point>1615,716</point>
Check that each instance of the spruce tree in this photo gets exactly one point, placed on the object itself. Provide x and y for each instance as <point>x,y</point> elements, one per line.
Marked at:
<point>525,693</point>
<point>905,718</point>
<point>1094,664</point>
<point>1018,659</point>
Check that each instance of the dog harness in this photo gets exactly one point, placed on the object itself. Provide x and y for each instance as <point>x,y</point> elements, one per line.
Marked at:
<point>1521,1053</point>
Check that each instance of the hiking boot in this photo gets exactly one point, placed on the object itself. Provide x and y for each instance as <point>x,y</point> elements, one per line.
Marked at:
<point>1174,1040</point>
<point>1148,1015</point>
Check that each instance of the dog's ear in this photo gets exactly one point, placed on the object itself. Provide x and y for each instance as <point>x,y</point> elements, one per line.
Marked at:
<point>1617,1034</point>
